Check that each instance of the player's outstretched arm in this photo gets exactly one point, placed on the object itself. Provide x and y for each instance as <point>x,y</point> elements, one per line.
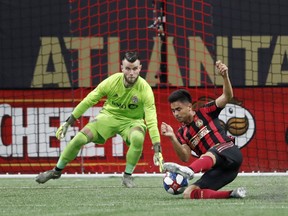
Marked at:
<point>91,99</point>
<point>227,87</point>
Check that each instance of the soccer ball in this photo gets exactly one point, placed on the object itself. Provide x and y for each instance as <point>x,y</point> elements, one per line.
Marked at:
<point>174,183</point>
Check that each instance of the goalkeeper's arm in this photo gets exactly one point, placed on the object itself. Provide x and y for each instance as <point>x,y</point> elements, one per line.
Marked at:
<point>91,99</point>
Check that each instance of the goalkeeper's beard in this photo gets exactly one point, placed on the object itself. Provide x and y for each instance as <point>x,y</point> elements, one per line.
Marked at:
<point>130,80</point>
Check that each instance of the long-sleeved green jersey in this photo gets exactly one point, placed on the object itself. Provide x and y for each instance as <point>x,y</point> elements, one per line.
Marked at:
<point>136,102</point>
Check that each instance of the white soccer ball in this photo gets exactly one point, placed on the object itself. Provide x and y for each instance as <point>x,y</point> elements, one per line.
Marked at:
<point>174,183</point>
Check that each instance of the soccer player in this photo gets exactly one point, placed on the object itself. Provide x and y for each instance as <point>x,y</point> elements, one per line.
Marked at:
<point>201,132</point>
<point>129,111</point>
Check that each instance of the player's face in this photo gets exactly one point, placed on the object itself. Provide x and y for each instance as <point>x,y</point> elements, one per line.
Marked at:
<point>182,111</point>
<point>131,71</point>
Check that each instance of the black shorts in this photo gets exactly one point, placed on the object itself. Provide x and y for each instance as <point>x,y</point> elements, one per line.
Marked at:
<point>228,161</point>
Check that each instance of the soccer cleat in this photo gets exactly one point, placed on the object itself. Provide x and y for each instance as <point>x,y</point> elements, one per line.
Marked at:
<point>50,174</point>
<point>186,172</point>
<point>238,193</point>
<point>127,181</point>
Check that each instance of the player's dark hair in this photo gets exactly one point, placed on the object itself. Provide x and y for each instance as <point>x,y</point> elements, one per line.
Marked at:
<point>181,95</point>
<point>131,56</point>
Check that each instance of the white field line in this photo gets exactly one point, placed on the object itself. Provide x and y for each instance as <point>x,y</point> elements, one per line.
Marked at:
<point>104,175</point>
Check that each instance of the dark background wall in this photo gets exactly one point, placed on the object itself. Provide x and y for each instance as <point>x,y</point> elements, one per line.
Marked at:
<point>23,23</point>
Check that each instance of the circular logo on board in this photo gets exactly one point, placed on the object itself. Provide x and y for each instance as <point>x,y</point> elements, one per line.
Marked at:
<point>239,123</point>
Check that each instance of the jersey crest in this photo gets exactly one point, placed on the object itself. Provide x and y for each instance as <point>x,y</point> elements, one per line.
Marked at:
<point>134,99</point>
<point>199,123</point>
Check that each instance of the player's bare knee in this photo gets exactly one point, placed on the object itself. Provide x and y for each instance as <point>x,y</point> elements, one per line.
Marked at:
<point>211,155</point>
<point>188,191</point>
<point>88,133</point>
<point>186,195</point>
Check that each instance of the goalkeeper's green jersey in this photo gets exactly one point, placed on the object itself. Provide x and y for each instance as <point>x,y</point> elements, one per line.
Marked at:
<point>136,102</point>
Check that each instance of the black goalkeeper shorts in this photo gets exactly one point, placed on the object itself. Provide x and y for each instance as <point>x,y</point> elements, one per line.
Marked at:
<point>228,161</point>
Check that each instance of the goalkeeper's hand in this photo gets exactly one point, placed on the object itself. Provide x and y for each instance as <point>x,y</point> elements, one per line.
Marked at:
<point>62,130</point>
<point>158,157</point>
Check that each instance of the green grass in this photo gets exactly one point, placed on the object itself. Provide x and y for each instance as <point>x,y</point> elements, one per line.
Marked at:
<point>105,196</point>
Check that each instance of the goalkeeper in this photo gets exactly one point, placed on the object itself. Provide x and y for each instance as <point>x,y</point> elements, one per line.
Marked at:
<point>128,111</point>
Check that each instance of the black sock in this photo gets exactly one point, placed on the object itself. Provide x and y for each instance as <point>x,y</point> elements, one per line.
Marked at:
<point>127,174</point>
<point>57,169</point>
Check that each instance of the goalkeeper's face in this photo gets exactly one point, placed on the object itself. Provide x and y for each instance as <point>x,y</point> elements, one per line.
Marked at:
<point>131,71</point>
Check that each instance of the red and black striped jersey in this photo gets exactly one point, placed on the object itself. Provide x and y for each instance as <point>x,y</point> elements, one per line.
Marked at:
<point>204,131</point>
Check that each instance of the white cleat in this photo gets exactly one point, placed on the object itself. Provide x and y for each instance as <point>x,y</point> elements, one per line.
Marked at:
<point>185,171</point>
<point>238,193</point>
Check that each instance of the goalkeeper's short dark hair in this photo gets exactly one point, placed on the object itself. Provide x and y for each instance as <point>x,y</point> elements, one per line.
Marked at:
<point>131,56</point>
<point>181,95</point>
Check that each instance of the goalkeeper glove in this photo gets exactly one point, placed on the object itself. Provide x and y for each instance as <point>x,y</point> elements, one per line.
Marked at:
<point>61,132</point>
<point>158,157</point>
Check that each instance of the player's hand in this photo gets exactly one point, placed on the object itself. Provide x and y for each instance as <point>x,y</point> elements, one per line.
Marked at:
<point>166,130</point>
<point>62,130</point>
<point>158,157</point>
<point>221,68</point>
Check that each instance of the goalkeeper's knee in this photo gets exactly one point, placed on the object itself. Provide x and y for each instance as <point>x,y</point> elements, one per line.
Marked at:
<point>137,139</point>
<point>71,150</point>
<point>79,140</point>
